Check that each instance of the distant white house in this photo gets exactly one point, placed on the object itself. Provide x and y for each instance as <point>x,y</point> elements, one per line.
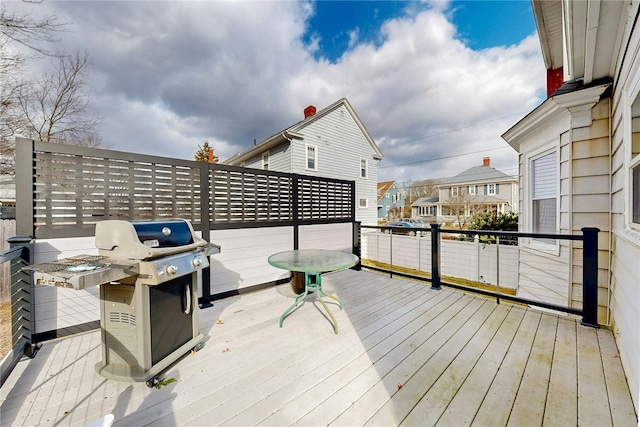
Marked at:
<point>580,163</point>
<point>331,143</point>
<point>475,190</point>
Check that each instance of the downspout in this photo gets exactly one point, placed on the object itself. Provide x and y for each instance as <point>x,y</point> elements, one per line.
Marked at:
<point>290,150</point>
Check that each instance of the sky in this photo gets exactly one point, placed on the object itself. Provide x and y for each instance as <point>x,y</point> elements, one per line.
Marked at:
<point>435,83</point>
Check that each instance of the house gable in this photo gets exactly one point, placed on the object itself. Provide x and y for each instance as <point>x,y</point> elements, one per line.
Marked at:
<point>340,146</point>
<point>296,132</point>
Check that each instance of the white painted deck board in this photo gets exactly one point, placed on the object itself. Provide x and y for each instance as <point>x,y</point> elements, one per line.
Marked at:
<point>404,355</point>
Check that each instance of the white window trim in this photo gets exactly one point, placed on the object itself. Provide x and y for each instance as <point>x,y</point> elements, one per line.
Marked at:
<point>544,246</point>
<point>633,163</point>
<point>489,192</point>
<point>473,190</point>
<point>306,157</point>
<point>630,163</point>
<point>366,168</point>
<point>268,157</point>
<point>455,191</point>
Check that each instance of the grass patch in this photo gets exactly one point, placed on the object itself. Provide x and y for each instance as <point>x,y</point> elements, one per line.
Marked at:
<point>456,280</point>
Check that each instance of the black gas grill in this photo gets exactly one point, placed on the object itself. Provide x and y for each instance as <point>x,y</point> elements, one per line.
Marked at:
<point>147,272</point>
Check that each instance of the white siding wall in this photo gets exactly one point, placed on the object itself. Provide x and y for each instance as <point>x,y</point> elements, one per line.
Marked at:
<point>340,145</point>
<point>242,261</point>
<point>279,159</point>
<point>337,237</point>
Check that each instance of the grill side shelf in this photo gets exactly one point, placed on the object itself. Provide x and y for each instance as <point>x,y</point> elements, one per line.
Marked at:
<point>82,271</point>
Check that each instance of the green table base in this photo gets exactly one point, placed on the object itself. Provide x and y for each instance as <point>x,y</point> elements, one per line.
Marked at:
<point>317,288</point>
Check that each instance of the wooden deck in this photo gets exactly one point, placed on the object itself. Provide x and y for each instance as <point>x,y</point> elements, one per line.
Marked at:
<point>404,355</point>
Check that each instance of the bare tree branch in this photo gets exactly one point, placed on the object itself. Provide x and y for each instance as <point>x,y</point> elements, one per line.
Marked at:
<point>36,34</point>
<point>55,107</point>
<point>28,31</point>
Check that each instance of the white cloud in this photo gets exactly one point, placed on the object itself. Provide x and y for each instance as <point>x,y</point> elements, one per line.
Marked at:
<point>168,75</point>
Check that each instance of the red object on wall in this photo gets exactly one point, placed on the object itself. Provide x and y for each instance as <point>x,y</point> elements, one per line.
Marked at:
<point>554,80</point>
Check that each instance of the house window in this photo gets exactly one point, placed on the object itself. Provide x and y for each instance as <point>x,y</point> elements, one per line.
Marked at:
<point>426,211</point>
<point>635,186</point>
<point>312,157</point>
<point>454,191</point>
<point>472,190</point>
<point>544,177</point>
<point>491,189</point>
<point>363,203</point>
<point>635,162</point>
<point>363,168</point>
<point>265,161</point>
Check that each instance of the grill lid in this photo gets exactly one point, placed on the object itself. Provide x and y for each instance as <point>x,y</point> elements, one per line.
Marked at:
<point>163,234</point>
<point>145,239</point>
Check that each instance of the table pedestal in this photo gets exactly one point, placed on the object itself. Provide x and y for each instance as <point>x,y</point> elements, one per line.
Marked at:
<point>317,288</point>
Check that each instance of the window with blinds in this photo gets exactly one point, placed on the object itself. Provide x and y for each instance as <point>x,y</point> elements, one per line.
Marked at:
<point>544,177</point>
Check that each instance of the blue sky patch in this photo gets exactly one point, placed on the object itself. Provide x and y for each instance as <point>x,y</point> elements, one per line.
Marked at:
<point>480,23</point>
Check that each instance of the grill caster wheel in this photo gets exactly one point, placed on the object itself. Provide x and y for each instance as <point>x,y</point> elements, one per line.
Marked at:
<point>197,347</point>
<point>152,382</point>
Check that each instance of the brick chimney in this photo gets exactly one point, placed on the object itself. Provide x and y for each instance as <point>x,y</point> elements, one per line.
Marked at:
<point>309,111</point>
<point>554,80</point>
<point>486,161</point>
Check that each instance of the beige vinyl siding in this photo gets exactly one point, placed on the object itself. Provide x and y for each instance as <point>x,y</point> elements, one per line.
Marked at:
<point>521,193</point>
<point>584,201</point>
<point>591,200</point>
<point>545,272</point>
<point>625,242</point>
<point>625,294</point>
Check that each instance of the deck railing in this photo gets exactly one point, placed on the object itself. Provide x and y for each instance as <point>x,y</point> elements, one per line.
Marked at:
<point>588,262</point>
<point>18,256</point>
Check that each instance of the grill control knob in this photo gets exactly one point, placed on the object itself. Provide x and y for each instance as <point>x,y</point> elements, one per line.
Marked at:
<point>172,269</point>
<point>197,262</point>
